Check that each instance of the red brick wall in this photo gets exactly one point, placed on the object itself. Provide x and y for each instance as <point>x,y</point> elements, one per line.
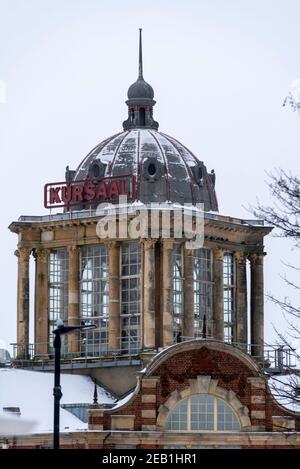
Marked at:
<point>175,372</point>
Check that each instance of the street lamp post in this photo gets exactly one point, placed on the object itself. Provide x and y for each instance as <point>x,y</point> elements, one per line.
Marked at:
<point>58,332</point>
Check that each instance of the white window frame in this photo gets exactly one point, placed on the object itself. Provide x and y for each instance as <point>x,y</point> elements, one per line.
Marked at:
<point>215,419</point>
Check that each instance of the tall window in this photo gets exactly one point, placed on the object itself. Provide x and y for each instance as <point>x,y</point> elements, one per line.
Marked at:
<point>94,298</point>
<point>203,292</point>
<point>130,296</point>
<point>202,412</point>
<point>177,291</point>
<point>229,296</point>
<point>58,290</point>
<point>142,115</point>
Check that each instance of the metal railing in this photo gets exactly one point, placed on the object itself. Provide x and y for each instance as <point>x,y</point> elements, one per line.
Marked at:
<point>275,358</point>
<point>80,349</point>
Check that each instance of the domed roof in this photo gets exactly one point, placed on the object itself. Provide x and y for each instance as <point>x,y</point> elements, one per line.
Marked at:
<point>140,89</point>
<point>165,169</point>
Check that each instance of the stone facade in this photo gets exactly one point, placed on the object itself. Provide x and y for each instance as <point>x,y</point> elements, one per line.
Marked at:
<point>222,234</point>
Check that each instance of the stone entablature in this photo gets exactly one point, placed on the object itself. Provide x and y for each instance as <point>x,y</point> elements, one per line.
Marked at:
<point>230,233</point>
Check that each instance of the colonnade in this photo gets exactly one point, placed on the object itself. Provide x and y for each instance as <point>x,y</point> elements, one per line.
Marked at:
<point>149,291</point>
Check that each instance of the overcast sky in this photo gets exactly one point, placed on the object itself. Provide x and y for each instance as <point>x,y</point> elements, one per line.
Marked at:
<point>220,70</point>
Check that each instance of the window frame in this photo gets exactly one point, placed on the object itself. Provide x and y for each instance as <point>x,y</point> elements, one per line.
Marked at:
<point>209,286</point>
<point>177,326</point>
<point>126,330</point>
<point>61,286</point>
<point>230,288</point>
<point>91,342</point>
<point>215,429</point>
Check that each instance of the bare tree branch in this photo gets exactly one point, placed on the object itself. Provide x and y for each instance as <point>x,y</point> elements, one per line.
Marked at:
<point>284,216</point>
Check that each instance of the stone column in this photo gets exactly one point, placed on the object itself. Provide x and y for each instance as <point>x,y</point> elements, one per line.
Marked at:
<point>257,304</point>
<point>41,308</point>
<point>188,295</point>
<point>73,298</point>
<point>241,297</point>
<point>114,342</point>
<point>149,294</point>
<point>218,313</point>
<point>167,293</point>
<point>23,302</point>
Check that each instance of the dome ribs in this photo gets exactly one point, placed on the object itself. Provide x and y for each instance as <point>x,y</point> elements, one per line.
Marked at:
<point>116,152</point>
<point>165,169</point>
<point>188,169</point>
<point>165,164</point>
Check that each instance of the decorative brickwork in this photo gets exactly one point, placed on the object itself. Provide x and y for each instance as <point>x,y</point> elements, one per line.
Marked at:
<point>202,367</point>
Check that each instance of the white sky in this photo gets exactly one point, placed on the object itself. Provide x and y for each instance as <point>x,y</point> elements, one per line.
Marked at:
<point>220,71</point>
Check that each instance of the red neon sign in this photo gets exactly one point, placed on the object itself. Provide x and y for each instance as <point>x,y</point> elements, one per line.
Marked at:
<point>67,194</point>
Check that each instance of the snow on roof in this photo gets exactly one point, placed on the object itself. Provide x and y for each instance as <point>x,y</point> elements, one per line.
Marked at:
<point>286,390</point>
<point>32,392</point>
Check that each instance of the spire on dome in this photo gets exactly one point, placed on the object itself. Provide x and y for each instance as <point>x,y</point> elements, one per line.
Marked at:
<point>140,99</point>
<point>140,56</point>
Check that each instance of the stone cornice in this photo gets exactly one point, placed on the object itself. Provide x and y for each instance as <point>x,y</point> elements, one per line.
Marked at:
<point>222,222</point>
<point>244,438</point>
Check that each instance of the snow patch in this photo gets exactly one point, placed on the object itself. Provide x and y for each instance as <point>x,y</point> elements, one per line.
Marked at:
<point>32,392</point>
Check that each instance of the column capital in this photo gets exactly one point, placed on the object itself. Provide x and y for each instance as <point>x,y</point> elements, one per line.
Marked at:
<point>168,243</point>
<point>256,258</point>
<point>240,257</point>
<point>148,243</point>
<point>188,252</point>
<point>23,254</point>
<point>218,253</point>
<point>73,248</point>
<point>112,244</point>
<point>40,255</point>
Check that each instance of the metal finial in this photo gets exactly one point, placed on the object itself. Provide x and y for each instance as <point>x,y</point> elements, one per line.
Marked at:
<point>95,400</point>
<point>140,56</point>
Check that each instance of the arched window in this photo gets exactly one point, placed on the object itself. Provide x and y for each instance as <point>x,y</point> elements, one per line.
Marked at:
<point>202,412</point>
<point>142,115</point>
